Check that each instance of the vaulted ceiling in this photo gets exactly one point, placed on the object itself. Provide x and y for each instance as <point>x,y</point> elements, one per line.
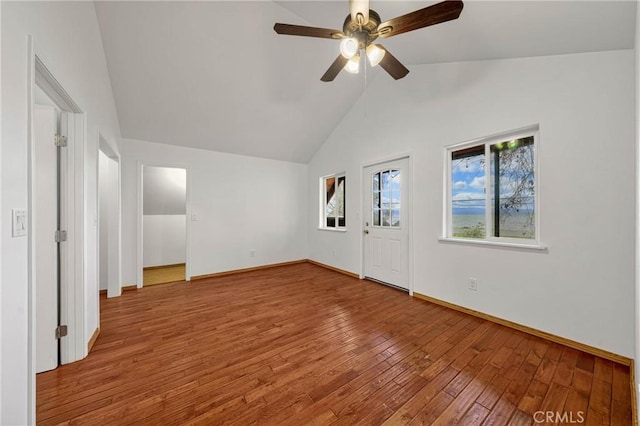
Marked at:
<point>214,75</point>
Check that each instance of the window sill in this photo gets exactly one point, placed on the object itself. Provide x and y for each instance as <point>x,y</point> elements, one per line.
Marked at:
<point>332,229</point>
<point>497,244</point>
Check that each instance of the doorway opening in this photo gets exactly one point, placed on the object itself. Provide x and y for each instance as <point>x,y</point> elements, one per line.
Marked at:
<point>164,224</point>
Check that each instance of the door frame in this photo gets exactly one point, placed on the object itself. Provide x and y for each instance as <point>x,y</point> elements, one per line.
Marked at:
<point>73,309</point>
<point>140,214</point>
<point>114,286</point>
<point>364,209</point>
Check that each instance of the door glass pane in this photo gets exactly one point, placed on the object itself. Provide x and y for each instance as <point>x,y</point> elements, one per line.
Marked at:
<point>386,198</point>
<point>376,198</point>
<point>394,186</point>
<point>385,181</point>
<point>386,190</point>
<point>386,217</point>
<point>395,217</point>
<point>394,180</point>
<point>395,199</point>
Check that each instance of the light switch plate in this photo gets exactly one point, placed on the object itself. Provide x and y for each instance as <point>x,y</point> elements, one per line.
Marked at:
<point>18,222</point>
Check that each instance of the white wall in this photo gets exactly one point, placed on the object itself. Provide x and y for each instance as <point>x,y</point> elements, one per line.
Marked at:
<point>241,203</point>
<point>67,38</point>
<point>164,239</point>
<point>582,289</point>
<point>164,190</point>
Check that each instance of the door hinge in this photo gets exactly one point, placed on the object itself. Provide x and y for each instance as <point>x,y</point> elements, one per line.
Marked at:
<point>61,236</point>
<point>61,140</point>
<point>61,331</point>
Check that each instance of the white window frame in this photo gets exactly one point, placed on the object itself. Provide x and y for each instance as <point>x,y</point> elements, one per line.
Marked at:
<point>323,202</point>
<point>489,239</point>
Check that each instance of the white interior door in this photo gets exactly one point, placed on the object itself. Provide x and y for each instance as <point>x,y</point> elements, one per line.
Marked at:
<point>386,222</point>
<point>46,251</point>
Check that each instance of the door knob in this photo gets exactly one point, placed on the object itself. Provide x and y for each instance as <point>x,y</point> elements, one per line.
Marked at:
<point>366,231</point>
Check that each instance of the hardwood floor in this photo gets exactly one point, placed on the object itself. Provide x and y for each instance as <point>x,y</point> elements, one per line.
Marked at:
<point>163,274</point>
<point>304,345</point>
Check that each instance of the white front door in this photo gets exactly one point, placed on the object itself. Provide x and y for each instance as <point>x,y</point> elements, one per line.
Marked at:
<point>386,222</point>
<point>45,207</point>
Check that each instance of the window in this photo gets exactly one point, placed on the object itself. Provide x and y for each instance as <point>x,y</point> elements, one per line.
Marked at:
<point>333,201</point>
<point>492,189</point>
<point>386,198</point>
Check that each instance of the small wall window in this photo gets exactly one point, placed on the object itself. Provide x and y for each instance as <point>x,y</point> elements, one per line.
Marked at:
<point>333,192</point>
<point>492,188</point>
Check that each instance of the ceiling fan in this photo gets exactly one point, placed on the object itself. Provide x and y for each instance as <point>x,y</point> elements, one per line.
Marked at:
<point>363,26</point>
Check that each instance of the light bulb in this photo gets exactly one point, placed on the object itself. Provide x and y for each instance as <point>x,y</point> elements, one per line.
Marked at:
<point>349,47</point>
<point>375,54</point>
<point>353,66</point>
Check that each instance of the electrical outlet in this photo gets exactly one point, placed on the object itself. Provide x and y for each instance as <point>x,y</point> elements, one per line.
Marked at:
<point>252,253</point>
<point>473,284</point>
<point>334,252</point>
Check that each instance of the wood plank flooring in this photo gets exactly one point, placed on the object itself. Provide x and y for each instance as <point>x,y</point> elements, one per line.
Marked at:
<point>301,344</point>
<point>163,274</point>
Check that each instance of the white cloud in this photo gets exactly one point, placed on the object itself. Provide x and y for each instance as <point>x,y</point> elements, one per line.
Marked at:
<point>467,196</point>
<point>478,182</point>
<point>460,185</point>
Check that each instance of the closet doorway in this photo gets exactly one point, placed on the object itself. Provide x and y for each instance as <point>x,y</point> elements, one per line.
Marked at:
<point>164,224</point>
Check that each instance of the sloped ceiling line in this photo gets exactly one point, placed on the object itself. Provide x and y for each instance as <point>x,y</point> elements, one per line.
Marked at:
<point>214,75</point>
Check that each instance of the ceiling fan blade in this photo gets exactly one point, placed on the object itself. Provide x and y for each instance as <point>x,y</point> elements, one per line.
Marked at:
<point>361,7</point>
<point>431,15</point>
<point>393,66</point>
<point>334,69</point>
<point>300,30</point>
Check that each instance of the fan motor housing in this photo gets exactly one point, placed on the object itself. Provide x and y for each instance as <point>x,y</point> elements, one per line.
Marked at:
<point>366,33</point>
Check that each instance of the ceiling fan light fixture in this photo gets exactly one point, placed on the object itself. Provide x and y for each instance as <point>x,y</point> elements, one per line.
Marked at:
<point>375,54</point>
<point>363,25</point>
<point>353,66</point>
<point>361,8</point>
<point>349,47</point>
